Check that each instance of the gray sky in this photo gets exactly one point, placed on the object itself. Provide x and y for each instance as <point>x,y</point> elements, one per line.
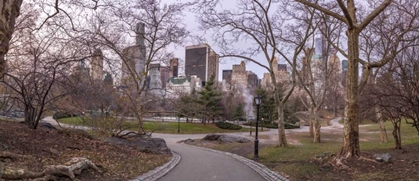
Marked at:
<point>225,64</point>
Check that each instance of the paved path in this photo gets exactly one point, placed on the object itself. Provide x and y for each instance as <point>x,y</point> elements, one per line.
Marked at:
<point>204,165</point>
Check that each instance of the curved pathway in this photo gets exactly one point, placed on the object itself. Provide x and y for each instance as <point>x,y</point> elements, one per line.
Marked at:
<point>204,165</point>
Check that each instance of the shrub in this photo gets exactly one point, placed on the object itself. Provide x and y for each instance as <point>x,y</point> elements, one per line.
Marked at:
<point>229,126</point>
<point>60,115</point>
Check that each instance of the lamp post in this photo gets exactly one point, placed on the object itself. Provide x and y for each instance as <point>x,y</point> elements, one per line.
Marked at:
<point>257,102</point>
<point>178,124</point>
<point>250,125</point>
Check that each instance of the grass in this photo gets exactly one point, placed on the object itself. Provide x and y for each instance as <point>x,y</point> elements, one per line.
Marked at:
<point>285,160</point>
<point>162,127</point>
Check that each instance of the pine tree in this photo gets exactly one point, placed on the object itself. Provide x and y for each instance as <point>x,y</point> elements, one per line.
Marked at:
<point>210,98</point>
<point>239,112</point>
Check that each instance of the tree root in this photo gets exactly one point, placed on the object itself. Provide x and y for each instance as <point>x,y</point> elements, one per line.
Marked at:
<point>6,154</point>
<point>74,167</point>
<point>368,159</point>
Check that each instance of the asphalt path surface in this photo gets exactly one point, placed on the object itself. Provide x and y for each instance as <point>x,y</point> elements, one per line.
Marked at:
<point>201,165</point>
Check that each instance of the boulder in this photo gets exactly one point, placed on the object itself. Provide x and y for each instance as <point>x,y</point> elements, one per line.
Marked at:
<point>147,145</point>
<point>47,125</point>
<point>386,157</point>
<point>222,138</point>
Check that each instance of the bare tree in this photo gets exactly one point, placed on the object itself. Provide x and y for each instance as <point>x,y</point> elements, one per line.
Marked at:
<point>357,19</point>
<point>36,62</point>
<point>261,24</point>
<point>155,26</point>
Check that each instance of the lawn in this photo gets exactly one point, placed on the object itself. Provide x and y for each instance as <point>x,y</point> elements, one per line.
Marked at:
<point>162,127</point>
<point>310,161</point>
<point>300,162</point>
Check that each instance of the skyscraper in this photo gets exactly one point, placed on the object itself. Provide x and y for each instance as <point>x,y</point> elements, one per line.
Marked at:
<point>135,58</point>
<point>97,65</point>
<point>173,65</point>
<point>201,61</point>
<point>227,76</point>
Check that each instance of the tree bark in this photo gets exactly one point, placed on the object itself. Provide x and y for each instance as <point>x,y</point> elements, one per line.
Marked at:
<point>350,146</point>
<point>382,129</point>
<point>317,135</point>
<point>9,12</point>
<point>397,134</point>
<point>281,130</point>
<point>311,128</point>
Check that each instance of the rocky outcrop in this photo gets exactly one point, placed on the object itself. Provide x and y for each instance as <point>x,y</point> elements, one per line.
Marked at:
<point>222,138</point>
<point>147,145</point>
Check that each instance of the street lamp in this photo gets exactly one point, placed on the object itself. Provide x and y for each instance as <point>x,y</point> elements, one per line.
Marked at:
<point>178,124</point>
<point>258,103</point>
<point>250,125</point>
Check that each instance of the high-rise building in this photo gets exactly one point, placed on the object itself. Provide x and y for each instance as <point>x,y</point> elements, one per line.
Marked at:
<point>344,65</point>
<point>97,65</point>
<point>164,75</point>
<point>173,67</point>
<point>252,79</point>
<point>239,75</point>
<point>154,79</point>
<point>227,76</point>
<point>135,59</point>
<point>201,61</point>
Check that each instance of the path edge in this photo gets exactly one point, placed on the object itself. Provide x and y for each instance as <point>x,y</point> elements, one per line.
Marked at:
<point>159,172</point>
<point>261,169</point>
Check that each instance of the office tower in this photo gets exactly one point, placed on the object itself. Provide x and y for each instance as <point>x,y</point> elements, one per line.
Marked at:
<point>135,58</point>
<point>97,65</point>
<point>164,75</point>
<point>173,67</point>
<point>201,61</point>
<point>239,74</point>
<point>252,79</point>
<point>154,80</point>
<point>227,76</point>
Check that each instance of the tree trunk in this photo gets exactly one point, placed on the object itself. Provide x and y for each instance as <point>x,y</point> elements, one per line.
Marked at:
<point>317,136</point>
<point>281,130</point>
<point>382,129</point>
<point>397,134</point>
<point>311,123</point>
<point>350,147</point>
<point>311,128</point>
<point>9,12</point>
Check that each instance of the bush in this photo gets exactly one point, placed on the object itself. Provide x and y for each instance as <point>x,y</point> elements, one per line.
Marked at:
<point>229,126</point>
<point>60,115</point>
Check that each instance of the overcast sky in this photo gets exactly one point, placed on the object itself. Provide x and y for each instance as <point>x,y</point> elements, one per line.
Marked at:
<point>193,26</point>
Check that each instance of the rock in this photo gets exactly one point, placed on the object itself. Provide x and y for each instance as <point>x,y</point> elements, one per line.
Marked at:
<point>383,157</point>
<point>149,145</point>
<point>54,151</point>
<point>47,125</point>
<point>222,138</point>
<point>187,141</point>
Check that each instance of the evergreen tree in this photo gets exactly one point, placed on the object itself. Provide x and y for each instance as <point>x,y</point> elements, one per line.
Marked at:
<point>239,112</point>
<point>210,98</point>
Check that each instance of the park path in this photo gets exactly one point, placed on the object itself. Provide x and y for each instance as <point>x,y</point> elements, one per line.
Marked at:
<point>204,165</point>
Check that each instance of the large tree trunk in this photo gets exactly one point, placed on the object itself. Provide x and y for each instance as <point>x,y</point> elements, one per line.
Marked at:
<point>350,146</point>
<point>9,12</point>
<point>317,136</point>
<point>281,130</point>
<point>311,128</point>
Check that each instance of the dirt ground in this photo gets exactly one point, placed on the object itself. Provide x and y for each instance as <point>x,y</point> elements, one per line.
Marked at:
<point>53,147</point>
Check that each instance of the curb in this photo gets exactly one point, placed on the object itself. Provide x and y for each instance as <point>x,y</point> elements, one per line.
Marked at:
<point>261,169</point>
<point>159,172</point>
